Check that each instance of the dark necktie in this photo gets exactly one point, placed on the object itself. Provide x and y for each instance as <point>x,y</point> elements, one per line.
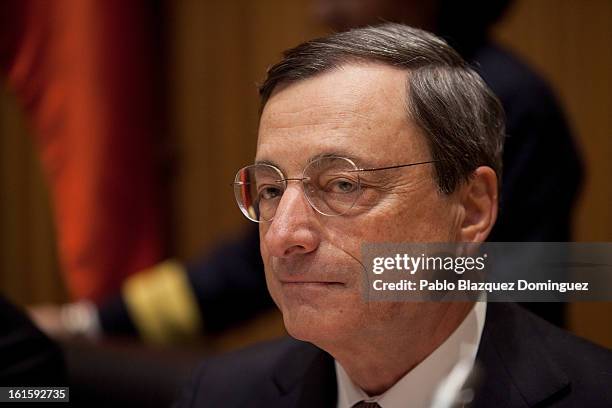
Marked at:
<point>363,404</point>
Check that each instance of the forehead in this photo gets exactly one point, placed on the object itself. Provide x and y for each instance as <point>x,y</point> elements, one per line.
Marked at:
<point>357,110</point>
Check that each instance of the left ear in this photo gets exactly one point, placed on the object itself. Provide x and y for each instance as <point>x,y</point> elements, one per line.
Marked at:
<point>479,200</point>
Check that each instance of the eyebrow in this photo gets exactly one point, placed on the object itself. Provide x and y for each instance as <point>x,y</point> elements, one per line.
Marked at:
<point>328,155</point>
<point>360,162</point>
<point>268,162</point>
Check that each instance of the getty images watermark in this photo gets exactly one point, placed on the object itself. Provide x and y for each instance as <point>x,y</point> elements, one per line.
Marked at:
<point>523,272</point>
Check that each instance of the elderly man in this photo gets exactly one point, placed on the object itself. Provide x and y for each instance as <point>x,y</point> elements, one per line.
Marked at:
<point>383,134</point>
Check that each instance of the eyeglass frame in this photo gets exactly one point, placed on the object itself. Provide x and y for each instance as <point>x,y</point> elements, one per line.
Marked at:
<point>301,179</point>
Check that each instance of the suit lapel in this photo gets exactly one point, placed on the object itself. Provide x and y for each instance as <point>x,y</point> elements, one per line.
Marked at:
<point>304,377</point>
<point>319,388</point>
<point>517,369</point>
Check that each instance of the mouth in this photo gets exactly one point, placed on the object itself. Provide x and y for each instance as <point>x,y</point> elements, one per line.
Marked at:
<point>310,289</point>
<point>310,286</point>
<point>307,283</point>
<point>311,274</point>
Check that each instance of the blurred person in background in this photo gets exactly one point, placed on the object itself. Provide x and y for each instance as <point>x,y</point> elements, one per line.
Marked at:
<point>541,174</point>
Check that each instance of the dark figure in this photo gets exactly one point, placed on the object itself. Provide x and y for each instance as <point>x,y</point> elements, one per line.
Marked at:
<point>27,356</point>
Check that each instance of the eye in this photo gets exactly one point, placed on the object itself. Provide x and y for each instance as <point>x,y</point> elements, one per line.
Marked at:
<point>341,186</point>
<point>269,192</point>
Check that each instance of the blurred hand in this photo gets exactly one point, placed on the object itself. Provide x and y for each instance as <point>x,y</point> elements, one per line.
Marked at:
<point>48,319</point>
<point>72,319</point>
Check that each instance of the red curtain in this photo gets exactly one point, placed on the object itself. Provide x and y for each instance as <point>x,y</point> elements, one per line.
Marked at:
<point>83,72</point>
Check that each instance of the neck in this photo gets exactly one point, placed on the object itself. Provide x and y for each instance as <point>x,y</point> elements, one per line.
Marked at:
<point>377,361</point>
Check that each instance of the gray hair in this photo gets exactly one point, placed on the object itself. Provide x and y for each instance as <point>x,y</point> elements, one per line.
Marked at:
<point>460,116</point>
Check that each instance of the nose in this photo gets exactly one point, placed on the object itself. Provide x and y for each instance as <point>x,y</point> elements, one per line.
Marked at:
<point>293,229</point>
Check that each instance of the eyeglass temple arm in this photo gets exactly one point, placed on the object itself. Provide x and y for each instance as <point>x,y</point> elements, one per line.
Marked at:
<point>397,166</point>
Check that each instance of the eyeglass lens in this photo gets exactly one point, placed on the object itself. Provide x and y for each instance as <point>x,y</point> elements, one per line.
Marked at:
<point>331,185</point>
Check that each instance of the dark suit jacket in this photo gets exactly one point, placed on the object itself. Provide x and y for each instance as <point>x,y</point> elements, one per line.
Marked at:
<point>27,356</point>
<point>527,362</point>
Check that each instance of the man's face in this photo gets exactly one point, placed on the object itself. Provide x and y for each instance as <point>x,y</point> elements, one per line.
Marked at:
<point>313,262</point>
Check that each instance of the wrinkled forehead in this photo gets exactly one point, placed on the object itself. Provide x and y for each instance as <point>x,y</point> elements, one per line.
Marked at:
<point>356,110</point>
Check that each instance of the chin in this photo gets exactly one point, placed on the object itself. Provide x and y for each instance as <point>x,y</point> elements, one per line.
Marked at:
<point>320,327</point>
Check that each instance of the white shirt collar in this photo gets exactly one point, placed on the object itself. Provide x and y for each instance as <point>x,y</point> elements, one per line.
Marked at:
<point>417,387</point>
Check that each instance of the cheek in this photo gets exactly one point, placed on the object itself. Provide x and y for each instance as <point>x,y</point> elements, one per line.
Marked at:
<point>427,218</point>
<point>382,312</point>
<point>273,286</point>
<point>271,282</point>
<point>263,249</point>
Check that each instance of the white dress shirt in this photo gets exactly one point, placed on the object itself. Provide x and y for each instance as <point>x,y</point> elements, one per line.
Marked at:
<point>418,386</point>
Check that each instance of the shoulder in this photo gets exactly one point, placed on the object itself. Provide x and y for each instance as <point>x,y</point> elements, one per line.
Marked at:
<point>588,365</point>
<point>557,340</point>
<point>541,356</point>
<point>226,380</point>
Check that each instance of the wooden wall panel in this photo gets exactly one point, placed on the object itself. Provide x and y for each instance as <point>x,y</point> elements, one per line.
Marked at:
<point>29,270</point>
